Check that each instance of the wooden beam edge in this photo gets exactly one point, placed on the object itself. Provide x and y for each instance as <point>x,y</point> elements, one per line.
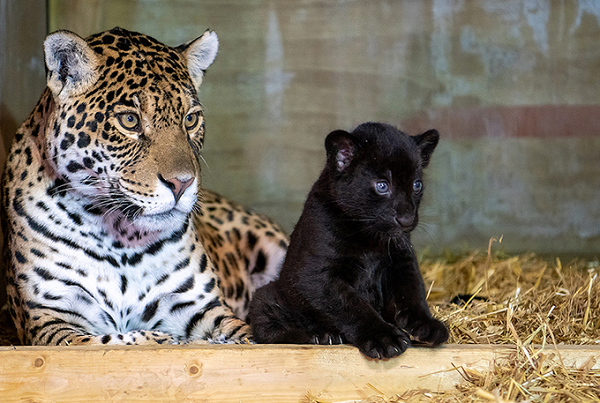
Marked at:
<point>239,373</point>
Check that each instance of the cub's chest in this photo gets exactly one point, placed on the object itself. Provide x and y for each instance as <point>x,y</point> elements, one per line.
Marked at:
<point>365,272</point>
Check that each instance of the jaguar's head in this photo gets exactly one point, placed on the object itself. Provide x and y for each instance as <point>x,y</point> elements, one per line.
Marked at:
<point>127,127</point>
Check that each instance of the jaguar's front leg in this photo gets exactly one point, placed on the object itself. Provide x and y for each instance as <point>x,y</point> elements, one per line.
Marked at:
<point>48,330</point>
<point>217,324</point>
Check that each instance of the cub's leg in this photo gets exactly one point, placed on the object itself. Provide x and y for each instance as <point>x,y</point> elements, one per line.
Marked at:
<point>407,305</point>
<point>272,321</point>
<point>361,324</point>
<point>348,317</point>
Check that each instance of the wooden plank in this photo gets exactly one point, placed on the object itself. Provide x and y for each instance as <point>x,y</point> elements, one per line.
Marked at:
<point>228,373</point>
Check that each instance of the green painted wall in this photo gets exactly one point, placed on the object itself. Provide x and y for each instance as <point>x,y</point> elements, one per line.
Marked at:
<point>511,85</point>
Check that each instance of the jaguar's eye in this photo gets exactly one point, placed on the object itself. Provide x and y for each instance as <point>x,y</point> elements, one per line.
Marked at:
<point>417,186</point>
<point>129,121</point>
<point>382,187</point>
<point>192,121</point>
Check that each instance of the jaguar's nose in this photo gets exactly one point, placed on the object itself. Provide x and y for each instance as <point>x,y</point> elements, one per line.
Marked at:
<point>177,185</point>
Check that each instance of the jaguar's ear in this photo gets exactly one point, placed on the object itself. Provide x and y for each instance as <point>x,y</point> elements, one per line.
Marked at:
<point>71,64</point>
<point>341,148</point>
<point>427,143</point>
<point>200,53</point>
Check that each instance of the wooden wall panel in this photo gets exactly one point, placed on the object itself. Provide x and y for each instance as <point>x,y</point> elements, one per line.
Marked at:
<point>22,31</point>
<point>287,73</point>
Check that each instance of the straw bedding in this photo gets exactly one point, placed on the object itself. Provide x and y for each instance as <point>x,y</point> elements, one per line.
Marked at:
<point>492,298</point>
<point>526,301</point>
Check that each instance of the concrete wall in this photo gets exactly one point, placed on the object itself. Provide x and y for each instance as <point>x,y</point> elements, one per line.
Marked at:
<point>512,86</point>
<point>22,31</point>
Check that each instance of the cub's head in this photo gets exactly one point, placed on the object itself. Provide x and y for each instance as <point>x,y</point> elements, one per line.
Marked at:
<point>376,175</point>
<point>127,127</point>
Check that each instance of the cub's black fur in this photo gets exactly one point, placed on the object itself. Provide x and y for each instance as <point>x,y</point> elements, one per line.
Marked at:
<point>350,274</point>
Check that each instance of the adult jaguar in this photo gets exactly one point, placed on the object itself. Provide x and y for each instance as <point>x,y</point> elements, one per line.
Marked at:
<point>105,241</point>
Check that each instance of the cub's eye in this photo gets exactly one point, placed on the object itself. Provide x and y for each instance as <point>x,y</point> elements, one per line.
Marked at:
<point>382,187</point>
<point>417,186</point>
<point>129,121</point>
<point>192,121</point>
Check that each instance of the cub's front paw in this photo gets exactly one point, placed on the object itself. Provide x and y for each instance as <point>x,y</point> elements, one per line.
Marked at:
<point>384,345</point>
<point>327,339</point>
<point>430,331</point>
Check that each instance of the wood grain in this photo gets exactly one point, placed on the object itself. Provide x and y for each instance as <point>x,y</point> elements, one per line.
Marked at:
<point>236,373</point>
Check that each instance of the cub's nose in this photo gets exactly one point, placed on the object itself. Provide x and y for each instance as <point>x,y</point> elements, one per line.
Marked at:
<point>406,221</point>
<point>177,185</point>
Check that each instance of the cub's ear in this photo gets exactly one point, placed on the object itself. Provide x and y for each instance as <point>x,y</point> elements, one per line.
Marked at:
<point>71,64</point>
<point>427,143</point>
<point>341,148</point>
<point>200,53</point>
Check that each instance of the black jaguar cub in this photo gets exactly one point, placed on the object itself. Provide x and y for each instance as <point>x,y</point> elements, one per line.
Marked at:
<point>350,274</point>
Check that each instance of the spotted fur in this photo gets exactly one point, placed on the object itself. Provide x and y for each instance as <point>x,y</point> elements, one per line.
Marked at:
<point>246,248</point>
<point>105,240</point>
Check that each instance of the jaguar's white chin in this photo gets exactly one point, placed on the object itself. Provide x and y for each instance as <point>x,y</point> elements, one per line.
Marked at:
<point>172,219</point>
